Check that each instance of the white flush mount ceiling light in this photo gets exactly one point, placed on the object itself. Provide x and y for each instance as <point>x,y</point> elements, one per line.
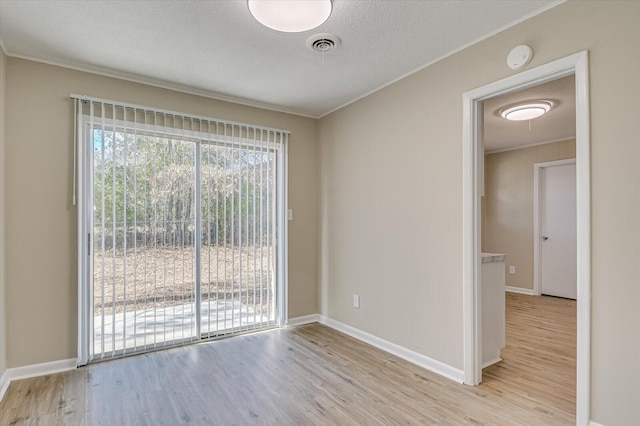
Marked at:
<point>291,16</point>
<point>526,111</point>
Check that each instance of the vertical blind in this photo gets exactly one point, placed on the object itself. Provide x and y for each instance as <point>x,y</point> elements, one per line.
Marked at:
<point>182,216</point>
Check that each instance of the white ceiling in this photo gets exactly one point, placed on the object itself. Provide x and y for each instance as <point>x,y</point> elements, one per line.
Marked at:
<point>557,124</point>
<point>217,49</point>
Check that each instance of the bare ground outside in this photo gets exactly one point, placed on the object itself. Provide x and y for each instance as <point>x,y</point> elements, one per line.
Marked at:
<point>148,277</point>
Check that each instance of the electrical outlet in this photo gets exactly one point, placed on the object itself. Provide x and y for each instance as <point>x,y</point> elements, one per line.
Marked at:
<point>290,214</point>
<point>356,301</point>
<point>512,270</point>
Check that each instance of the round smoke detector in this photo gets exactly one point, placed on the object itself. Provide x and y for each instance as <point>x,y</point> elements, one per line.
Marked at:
<point>323,43</point>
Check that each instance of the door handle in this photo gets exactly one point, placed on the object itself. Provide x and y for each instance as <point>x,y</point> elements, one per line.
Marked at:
<point>545,238</point>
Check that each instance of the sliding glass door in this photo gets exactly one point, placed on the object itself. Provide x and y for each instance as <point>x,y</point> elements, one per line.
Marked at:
<point>238,238</point>
<point>143,241</point>
<point>182,221</point>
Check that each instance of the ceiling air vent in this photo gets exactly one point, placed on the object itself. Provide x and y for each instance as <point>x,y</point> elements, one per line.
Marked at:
<point>323,43</point>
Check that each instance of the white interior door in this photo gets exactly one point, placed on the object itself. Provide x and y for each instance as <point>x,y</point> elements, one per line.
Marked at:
<point>558,239</point>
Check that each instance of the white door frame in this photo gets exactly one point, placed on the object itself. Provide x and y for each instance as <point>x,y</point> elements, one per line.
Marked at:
<point>576,64</point>
<point>537,216</point>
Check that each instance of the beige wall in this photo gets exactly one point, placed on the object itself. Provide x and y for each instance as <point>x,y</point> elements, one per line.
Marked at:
<point>3,300</point>
<point>391,197</point>
<point>41,222</point>
<point>508,205</point>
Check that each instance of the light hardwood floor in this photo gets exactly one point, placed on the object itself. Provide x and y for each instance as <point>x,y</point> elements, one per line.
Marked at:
<point>313,375</point>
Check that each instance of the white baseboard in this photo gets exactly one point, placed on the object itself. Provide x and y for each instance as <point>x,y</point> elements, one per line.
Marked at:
<point>306,319</point>
<point>35,370</point>
<point>592,423</point>
<point>397,350</point>
<point>519,290</point>
<point>493,361</point>
<point>4,383</point>
<point>43,369</point>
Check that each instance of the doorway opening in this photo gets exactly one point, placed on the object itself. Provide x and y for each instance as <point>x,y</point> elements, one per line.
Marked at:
<point>528,200</point>
<point>473,156</point>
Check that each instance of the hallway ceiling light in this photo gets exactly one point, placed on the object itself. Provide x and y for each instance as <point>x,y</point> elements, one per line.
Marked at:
<point>291,16</point>
<point>526,111</point>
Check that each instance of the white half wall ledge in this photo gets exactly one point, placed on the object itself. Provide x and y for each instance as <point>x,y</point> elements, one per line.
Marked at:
<point>306,319</point>
<point>520,290</point>
<point>413,357</point>
<point>592,423</point>
<point>35,370</point>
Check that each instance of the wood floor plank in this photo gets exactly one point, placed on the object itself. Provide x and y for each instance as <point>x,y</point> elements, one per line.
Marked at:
<point>314,375</point>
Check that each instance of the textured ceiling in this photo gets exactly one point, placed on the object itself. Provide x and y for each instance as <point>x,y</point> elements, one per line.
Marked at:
<point>216,48</point>
<point>557,124</point>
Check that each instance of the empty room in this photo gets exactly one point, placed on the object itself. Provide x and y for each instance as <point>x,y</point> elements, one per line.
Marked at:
<point>324,212</point>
